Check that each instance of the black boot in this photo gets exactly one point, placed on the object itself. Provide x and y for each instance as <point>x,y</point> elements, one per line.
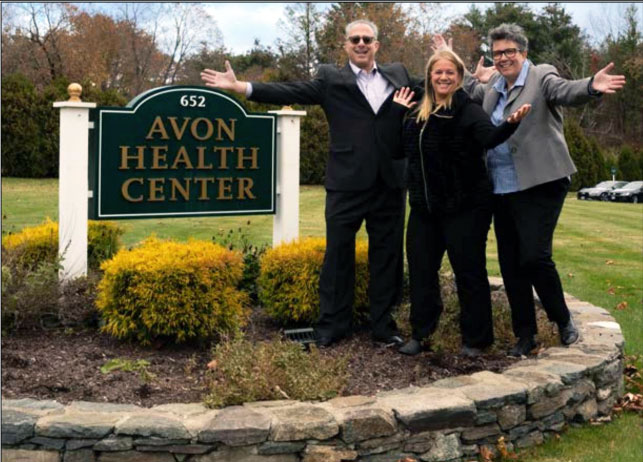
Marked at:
<point>523,347</point>
<point>568,332</point>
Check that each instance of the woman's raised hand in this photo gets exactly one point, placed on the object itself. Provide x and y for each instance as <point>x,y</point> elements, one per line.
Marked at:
<point>482,73</point>
<point>519,114</point>
<point>438,43</point>
<point>404,96</point>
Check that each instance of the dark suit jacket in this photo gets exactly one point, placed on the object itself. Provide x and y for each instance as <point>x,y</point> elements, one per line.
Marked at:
<point>362,144</point>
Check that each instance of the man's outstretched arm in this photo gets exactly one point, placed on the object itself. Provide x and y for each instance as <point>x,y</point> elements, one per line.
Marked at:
<point>306,92</point>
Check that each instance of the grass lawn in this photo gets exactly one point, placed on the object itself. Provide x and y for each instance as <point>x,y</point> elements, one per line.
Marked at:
<point>598,249</point>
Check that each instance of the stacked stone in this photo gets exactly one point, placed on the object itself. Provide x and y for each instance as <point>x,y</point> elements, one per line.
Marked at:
<point>449,420</point>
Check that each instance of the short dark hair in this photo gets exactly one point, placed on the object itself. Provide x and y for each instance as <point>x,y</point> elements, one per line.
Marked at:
<point>512,32</point>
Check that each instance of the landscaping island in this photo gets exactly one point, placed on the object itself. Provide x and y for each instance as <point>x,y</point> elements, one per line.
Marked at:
<point>450,419</point>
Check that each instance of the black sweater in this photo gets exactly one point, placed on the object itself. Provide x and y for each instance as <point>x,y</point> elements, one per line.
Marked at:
<point>451,174</point>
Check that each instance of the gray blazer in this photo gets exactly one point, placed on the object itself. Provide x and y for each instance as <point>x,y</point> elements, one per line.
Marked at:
<point>538,146</point>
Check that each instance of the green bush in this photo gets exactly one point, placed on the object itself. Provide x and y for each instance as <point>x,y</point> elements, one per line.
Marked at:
<point>21,129</point>
<point>289,280</point>
<point>242,371</point>
<point>103,241</point>
<point>314,146</point>
<point>587,157</point>
<point>167,289</point>
<point>33,297</point>
<point>29,296</point>
<point>30,123</point>
<point>629,167</point>
<point>36,244</point>
<point>239,240</point>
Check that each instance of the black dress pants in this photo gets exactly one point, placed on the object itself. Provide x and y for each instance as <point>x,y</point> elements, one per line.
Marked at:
<point>463,236</point>
<point>381,207</point>
<point>524,223</point>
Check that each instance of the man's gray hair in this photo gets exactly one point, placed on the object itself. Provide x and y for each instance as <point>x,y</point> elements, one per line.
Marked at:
<point>362,21</point>
<point>512,32</point>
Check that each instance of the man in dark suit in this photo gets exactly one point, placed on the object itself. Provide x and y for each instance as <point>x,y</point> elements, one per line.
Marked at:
<point>364,175</point>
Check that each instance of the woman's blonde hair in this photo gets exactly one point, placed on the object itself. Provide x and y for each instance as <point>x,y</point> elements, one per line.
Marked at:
<point>428,105</point>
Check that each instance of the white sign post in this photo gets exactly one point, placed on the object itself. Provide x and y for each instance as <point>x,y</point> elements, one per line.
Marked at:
<point>285,226</point>
<point>73,184</point>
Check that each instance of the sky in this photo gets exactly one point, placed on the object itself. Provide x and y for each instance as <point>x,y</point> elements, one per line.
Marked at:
<point>242,22</point>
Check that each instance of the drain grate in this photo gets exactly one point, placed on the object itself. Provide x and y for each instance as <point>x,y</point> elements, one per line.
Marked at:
<point>304,336</point>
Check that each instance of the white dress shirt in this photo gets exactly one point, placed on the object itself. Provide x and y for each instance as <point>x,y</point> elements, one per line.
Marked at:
<point>373,85</point>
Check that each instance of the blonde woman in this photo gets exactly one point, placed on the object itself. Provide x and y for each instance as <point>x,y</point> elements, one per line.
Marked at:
<point>444,138</point>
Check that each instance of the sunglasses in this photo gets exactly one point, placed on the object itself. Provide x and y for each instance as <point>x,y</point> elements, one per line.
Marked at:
<point>354,39</point>
<point>509,53</point>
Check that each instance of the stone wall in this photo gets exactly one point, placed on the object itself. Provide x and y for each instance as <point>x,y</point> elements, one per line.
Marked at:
<point>448,420</point>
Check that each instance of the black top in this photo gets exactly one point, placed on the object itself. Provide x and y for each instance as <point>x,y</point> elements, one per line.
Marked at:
<point>451,174</point>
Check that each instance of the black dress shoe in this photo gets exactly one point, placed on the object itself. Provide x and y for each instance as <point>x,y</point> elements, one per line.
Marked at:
<point>568,332</point>
<point>471,352</point>
<point>523,347</point>
<point>411,348</point>
<point>324,342</point>
<point>392,340</point>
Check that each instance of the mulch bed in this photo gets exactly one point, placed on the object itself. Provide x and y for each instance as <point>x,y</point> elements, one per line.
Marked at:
<point>64,364</point>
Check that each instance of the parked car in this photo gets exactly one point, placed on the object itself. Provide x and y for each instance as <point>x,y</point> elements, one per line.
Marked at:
<point>596,192</point>
<point>631,192</point>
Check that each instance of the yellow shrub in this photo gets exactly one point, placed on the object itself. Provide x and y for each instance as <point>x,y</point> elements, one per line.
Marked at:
<point>171,289</point>
<point>36,244</point>
<point>289,280</point>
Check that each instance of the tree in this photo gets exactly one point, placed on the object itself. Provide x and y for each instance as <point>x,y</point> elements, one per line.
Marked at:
<point>21,135</point>
<point>629,164</point>
<point>142,64</point>
<point>299,49</point>
<point>423,20</point>
<point>566,47</point>
<point>34,46</point>
<point>586,155</point>
<point>553,38</point>
<point>204,58</point>
<point>96,50</point>
<point>619,117</point>
<point>192,25</point>
<point>260,63</point>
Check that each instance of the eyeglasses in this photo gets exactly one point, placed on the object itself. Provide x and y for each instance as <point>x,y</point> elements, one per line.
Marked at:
<point>354,39</point>
<point>509,53</point>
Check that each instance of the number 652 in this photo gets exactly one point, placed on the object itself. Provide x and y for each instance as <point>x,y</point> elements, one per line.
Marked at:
<point>192,101</point>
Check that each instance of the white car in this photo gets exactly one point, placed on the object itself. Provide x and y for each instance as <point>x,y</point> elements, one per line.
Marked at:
<point>600,191</point>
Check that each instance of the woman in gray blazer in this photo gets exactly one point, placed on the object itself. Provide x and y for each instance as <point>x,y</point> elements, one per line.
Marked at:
<point>530,174</point>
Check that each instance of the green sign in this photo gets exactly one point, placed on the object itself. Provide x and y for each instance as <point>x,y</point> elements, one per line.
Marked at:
<point>182,151</point>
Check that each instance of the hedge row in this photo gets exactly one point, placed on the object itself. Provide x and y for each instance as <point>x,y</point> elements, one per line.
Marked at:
<point>183,291</point>
<point>30,124</point>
